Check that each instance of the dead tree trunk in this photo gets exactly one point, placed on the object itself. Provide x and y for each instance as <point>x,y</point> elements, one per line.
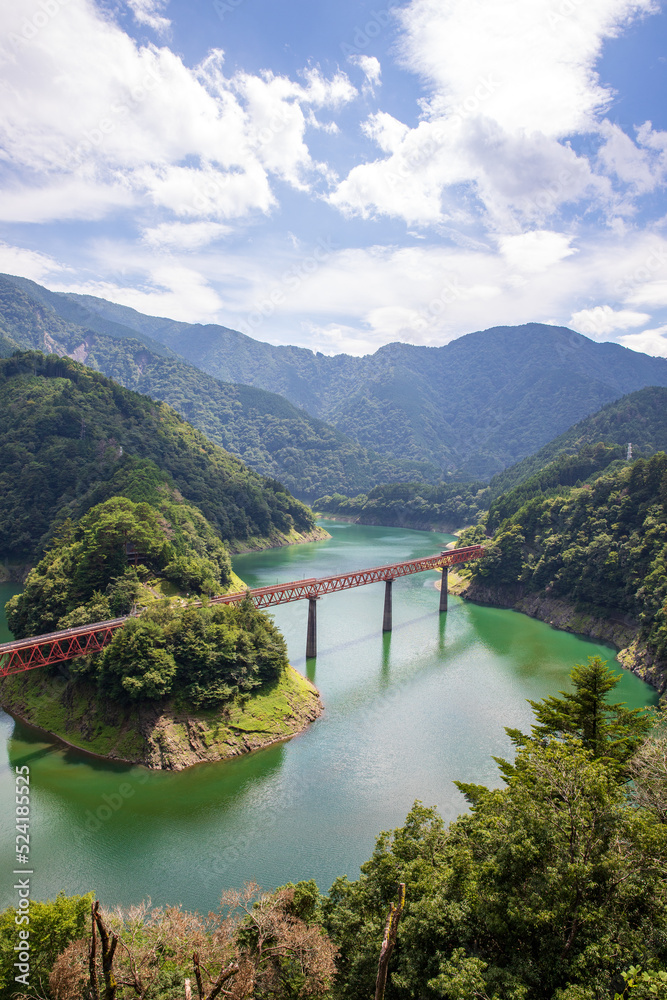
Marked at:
<point>225,974</point>
<point>109,943</point>
<point>92,957</point>
<point>390,932</point>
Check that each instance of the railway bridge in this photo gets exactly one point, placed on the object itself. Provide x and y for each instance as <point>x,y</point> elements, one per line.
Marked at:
<point>57,647</point>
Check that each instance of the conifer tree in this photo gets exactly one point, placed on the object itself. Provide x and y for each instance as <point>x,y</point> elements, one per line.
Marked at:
<point>609,731</point>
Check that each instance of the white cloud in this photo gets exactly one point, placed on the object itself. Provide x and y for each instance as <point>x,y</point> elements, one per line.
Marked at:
<point>621,156</point>
<point>148,12</point>
<point>649,293</point>
<point>123,117</point>
<point>653,342</point>
<point>508,82</point>
<point>372,70</point>
<point>172,290</point>
<point>331,298</point>
<point>540,69</point>
<point>535,251</point>
<point>184,235</point>
<point>28,263</point>
<point>600,321</point>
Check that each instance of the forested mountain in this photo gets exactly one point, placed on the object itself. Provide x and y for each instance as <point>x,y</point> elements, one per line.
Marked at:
<point>269,433</point>
<point>640,419</point>
<point>602,545</point>
<point>581,454</point>
<point>70,438</point>
<point>474,406</point>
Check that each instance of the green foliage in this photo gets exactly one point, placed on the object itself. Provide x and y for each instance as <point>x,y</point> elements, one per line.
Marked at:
<point>641,985</point>
<point>639,418</point>
<point>201,656</point>
<point>53,925</point>
<point>566,470</point>
<point>413,505</point>
<point>550,889</point>
<point>192,575</point>
<point>84,575</point>
<point>474,535</point>
<point>610,732</point>
<point>549,884</point>
<point>603,545</point>
<point>71,438</point>
<point>274,437</point>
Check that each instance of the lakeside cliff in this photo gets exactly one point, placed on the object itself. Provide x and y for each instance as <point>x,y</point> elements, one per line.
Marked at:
<point>163,735</point>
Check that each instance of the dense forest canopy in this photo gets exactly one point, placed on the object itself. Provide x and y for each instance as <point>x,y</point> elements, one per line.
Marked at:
<point>639,419</point>
<point>88,573</point>
<point>602,545</point>
<point>577,456</point>
<point>172,650</point>
<point>270,434</point>
<point>473,406</point>
<point>412,505</point>
<point>69,436</point>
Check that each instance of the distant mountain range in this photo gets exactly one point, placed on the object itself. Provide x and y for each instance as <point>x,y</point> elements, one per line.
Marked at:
<point>468,409</point>
<point>269,433</point>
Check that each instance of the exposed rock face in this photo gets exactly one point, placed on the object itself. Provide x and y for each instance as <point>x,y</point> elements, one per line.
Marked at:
<point>161,736</point>
<point>620,631</point>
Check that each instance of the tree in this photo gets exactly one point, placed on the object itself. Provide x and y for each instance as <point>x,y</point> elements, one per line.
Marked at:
<point>53,925</point>
<point>609,731</point>
<point>136,666</point>
<point>550,888</point>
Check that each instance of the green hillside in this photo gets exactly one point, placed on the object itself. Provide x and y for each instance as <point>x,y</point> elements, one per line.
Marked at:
<point>270,434</point>
<point>69,437</point>
<point>474,406</point>
<point>581,454</point>
<point>602,545</point>
<point>640,419</point>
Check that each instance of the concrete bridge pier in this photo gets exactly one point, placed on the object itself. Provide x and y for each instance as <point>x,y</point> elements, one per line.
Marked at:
<point>443,590</point>
<point>311,637</point>
<point>386,621</point>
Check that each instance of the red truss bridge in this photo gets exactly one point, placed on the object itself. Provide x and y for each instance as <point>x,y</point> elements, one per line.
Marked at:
<point>57,647</point>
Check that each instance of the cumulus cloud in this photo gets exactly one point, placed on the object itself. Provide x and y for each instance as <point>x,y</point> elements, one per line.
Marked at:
<point>508,82</point>
<point>600,321</point>
<point>124,121</point>
<point>535,251</point>
<point>653,342</point>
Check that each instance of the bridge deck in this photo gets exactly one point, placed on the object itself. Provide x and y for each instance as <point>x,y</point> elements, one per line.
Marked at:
<point>57,647</point>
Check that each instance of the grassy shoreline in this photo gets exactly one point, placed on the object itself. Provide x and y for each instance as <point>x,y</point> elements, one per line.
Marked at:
<point>164,736</point>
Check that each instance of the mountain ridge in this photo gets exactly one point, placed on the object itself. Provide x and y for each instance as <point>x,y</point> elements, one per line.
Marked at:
<point>262,428</point>
<point>468,406</point>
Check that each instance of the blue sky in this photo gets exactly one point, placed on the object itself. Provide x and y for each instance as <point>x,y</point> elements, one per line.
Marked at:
<point>343,175</point>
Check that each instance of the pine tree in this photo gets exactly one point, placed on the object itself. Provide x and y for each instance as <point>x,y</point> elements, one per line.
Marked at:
<point>609,731</point>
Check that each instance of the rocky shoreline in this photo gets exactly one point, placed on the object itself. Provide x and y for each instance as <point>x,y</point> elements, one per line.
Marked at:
<point>160,736</point>
<point>621,632</point>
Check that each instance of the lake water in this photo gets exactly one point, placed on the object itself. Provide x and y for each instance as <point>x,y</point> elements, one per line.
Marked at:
<point>405,715</point>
